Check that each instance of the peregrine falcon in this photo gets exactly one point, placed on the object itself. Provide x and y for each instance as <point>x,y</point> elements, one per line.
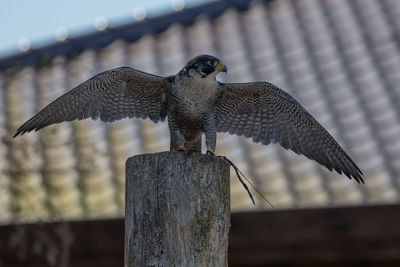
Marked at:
<point>196,103</point>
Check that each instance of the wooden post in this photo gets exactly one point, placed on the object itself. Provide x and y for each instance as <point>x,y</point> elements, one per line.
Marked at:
<point>177,210</point>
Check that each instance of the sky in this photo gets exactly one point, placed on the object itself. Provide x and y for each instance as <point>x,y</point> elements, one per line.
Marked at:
<point>33,23</point>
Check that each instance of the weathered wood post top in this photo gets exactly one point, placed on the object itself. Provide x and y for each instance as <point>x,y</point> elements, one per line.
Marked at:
<point>177,210</point>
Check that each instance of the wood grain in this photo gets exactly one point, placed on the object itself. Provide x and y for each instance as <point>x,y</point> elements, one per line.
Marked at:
<point>177,210</point>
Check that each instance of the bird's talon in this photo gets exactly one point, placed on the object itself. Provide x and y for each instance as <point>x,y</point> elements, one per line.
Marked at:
<point>209,152</point>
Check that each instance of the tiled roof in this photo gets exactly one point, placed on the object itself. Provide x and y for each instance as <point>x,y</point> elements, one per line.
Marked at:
<point>340,59</point>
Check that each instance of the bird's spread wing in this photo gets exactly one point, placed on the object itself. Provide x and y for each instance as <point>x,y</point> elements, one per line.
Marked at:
<point>111,95</point>
<point>267,114</point>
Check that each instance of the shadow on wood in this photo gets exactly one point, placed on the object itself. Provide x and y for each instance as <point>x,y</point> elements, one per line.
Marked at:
<point>177,210</point>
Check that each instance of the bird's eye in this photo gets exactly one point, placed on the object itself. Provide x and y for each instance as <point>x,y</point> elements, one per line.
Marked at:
<point>212,62</point>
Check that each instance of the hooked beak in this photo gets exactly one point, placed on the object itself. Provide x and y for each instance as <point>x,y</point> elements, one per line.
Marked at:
<point>221,67</point>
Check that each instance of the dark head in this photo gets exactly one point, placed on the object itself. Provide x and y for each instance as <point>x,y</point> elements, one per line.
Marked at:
<point>204,66</point>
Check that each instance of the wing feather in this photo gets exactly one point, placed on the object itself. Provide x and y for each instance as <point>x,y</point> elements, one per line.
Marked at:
<point>111,95</point>
<point>273,116</point>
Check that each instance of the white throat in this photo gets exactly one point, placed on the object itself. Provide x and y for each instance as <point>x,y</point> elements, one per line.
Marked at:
<point>197,88</point>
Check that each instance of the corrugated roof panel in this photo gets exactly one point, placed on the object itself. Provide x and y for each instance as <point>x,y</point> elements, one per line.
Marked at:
<point>122,135</point>
<point>382,43</point>
<point>340,59</point>
<point>306,180</point>
<point>171,50</point>
<point>200,38</point>
<point>358,63</point>
<point>93,157</point>
<point>273,73</point>
<point>322,57</point>
<point>5,179</point>
<point>28,198</point>
<point>60,176</point>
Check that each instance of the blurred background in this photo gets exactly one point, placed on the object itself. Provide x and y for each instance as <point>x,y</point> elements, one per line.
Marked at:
<point>340,59</point>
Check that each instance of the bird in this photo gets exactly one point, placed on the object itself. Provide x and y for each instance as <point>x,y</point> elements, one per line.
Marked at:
<point>194,102</point>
